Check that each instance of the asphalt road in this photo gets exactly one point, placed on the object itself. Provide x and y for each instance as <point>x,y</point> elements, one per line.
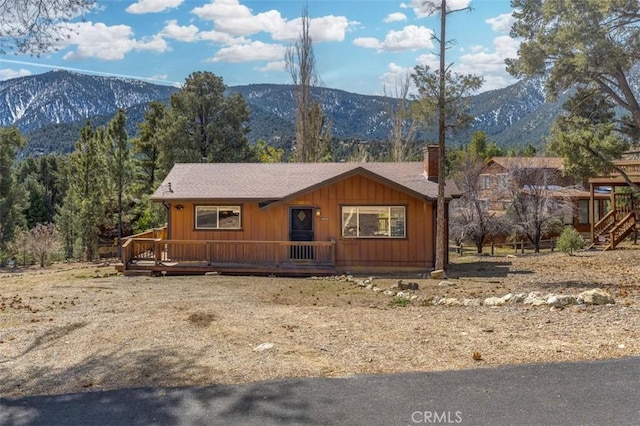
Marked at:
<point>585,393</point>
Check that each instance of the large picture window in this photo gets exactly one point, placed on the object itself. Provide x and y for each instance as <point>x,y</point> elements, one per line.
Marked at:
<point>373,222</point>
<point>218,217</point>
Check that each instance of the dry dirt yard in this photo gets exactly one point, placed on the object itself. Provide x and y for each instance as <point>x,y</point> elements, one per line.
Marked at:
<point>77,328</point>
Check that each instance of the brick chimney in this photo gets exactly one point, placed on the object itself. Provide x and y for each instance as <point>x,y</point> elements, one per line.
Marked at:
<point>431,153</point>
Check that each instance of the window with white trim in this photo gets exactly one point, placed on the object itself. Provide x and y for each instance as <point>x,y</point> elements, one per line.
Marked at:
<point>374,222</point>
<point>218,217</point>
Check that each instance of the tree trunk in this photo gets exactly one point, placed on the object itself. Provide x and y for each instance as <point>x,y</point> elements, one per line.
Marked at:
<point>440,213</point>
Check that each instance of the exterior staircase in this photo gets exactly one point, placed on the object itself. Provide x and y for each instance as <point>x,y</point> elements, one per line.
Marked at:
<point>613,228</point>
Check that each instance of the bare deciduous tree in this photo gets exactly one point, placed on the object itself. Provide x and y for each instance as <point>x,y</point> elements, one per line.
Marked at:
<point>43,241</point>
<point>404,123</point>
<point>537,208</point>
<point>469,216</point>
<point>36,26</point>
<point>313,137</point>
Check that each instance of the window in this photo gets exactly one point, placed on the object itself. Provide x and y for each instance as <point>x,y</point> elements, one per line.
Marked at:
<point>217,217</point>
<point>583,212</point>
<point>485,181</point>
<point>373,222</point>
<point>503,179</point>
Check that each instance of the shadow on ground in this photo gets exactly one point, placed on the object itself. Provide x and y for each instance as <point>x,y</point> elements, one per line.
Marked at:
<point>157,402</point>
<point>273,402</point>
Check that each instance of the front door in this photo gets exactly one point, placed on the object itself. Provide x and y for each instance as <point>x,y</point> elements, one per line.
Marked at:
<point>301,229</point>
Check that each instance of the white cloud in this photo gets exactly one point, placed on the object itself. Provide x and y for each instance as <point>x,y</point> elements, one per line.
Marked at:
<point>393,79</point>
<point>409,38</point>
<point>8,73</point>
<point>482,62</point>
<point>273,66</point>
<point>234,19</point>
<point>395,17</point>
<point>254,51</point>
<point>429,59</point>
<point>424,8</point>
<point>230,17</point>
<point>490,62</point>
<point>222,38</point>
<point>367,42</point>
<point>184,33</point>
<point>501,23</point>
<point>152,6</point>
<point>109,43</point>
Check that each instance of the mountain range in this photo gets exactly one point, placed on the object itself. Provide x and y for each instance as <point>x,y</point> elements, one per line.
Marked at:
<point>51,108</point>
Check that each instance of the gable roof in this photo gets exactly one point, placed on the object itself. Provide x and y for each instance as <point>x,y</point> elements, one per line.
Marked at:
<point>278,181</point>
<point>528,162</point>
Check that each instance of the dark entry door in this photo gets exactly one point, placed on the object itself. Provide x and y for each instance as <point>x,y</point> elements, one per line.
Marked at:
<point>301,229</point>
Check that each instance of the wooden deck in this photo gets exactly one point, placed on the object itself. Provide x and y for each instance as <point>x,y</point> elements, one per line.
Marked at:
<point>624,216</point>
<point>159,256</point>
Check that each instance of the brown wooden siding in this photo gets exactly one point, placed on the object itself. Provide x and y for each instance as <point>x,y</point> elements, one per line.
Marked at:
<point>272,224</point>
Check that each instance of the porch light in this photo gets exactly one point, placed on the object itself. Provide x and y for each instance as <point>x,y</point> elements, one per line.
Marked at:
<point>179,207</point>
<point>318,212</point>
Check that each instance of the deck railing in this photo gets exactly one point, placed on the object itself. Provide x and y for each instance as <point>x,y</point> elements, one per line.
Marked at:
<point>208,252</point>
<point>630,167</point>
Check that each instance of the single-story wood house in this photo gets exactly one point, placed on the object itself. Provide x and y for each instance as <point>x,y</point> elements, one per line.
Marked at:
<point>294,218</point>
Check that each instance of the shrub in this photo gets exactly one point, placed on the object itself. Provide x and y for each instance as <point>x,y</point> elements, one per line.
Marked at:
<point>570,240</point>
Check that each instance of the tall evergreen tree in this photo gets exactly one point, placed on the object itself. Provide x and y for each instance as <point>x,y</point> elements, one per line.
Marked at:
<point>83,209</point>
<point>593,45</point>
<point>13,197</point>
<point>118,162</point>
<point>448,92</point>
<point>146,149</point>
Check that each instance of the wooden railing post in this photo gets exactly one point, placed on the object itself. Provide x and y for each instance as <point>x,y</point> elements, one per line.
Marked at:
<point>333,252</point>
<point>157,251</point>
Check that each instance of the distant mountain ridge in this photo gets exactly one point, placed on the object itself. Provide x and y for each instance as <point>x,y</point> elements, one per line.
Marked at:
<point>50,109</point>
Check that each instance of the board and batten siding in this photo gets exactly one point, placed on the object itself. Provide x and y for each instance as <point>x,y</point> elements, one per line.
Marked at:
<point>271,223</point>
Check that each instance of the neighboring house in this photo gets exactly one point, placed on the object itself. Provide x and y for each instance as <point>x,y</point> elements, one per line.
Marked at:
<point>497,174</point>
<point>294,218</point>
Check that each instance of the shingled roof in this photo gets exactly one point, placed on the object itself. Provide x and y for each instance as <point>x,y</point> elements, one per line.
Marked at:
<point>529,162</point>
<point>278,181</point>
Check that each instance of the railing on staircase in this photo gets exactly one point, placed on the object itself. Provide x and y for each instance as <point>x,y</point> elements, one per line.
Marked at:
<point>620,231</point>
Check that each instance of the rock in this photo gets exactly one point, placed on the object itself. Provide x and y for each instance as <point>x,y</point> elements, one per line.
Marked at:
<point>446,284</point>
<point>369,287</point>
<point>438,274</point>
<point>263,347</point>
<point>389,293</point>
<point>596,296</point>
<point>471,302</point>
<point>376,289</point>
<point>449,301</point>
<point>511,256</point>
<point>518,297</point>
<point>407,286</point>
<point>403,295</point>
<point>212,273</point>
<point>493,301</point>
<point>507,297</point>
<point>560,301</point>
<point>534,298</point>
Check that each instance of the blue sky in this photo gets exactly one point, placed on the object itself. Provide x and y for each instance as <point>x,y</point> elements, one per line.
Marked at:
<point>361,46</point>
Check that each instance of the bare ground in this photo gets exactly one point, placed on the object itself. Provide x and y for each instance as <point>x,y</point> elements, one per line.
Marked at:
<point>75,328</point>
